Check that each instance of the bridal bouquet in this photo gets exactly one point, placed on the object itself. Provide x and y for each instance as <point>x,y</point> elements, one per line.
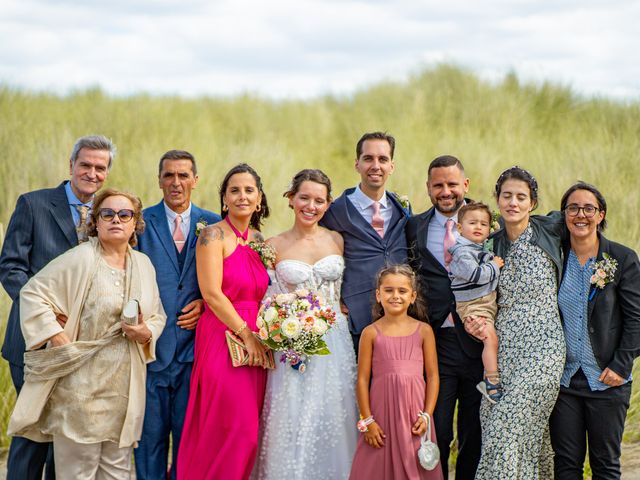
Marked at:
<point>295,323</point>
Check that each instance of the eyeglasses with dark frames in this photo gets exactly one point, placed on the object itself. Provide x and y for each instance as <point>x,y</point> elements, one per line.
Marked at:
<point>588,210</point>
<point>107,214</point>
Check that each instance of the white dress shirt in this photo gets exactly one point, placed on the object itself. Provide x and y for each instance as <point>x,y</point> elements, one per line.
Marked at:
<point>171,220</point>
<point>364,206</point>
<point>435,243</point>
<point>435,234</point>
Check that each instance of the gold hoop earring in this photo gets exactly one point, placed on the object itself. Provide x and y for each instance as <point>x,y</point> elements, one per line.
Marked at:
<point>225,208</point>
<point>258,208</point>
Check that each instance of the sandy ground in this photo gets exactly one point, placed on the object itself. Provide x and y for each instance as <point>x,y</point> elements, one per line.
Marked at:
<point>630,462</point>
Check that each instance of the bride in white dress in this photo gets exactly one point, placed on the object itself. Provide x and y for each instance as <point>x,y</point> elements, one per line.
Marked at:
<point>308,419</point>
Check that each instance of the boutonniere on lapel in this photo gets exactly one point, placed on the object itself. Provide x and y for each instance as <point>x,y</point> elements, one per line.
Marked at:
<point>495,221</point>
<point>201,224</point>
<point>495,225</point>
<point>266,252</point>
<point>603,273</point>
<point>404,202</point>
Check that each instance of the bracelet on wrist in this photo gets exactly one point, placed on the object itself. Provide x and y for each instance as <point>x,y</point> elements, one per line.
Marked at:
<point>363,423</point>
<point>424,416</point>
<point>240,330</point>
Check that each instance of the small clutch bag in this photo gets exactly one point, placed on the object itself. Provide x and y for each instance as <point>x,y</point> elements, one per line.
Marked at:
<point>428,453</point>
<point>238,352</point>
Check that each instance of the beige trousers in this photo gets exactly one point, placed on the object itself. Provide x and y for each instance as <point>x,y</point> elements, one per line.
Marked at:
<point>89,461</point>
<point>481,307</point>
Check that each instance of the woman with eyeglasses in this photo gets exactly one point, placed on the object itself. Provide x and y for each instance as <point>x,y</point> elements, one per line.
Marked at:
<point>599,301</point>
<point>86,354</point>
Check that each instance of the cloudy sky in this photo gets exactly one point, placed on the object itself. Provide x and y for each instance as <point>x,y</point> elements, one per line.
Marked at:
<point>303,48</point>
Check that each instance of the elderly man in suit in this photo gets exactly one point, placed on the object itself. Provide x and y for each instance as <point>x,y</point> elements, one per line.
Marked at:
<point>371,221</point>
<point>45,224</point>
<point>169,240</point>
<point>429,235</point>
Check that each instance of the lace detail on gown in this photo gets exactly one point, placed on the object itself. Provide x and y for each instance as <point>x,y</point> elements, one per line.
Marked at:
<point>308,420</point>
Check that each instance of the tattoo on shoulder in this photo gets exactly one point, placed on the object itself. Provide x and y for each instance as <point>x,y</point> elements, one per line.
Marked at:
<point>258,237</point>
<point>209,234</point>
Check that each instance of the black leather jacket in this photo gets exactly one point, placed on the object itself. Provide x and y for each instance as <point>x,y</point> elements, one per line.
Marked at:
<point>548,233</point>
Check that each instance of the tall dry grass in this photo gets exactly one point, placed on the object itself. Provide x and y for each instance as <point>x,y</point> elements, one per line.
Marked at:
<point>560,136</point>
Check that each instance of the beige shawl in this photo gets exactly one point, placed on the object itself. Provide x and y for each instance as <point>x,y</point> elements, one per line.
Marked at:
<point>61,287</point>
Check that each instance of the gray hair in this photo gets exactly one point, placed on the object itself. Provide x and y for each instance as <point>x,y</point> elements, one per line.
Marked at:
<point>93,142</point>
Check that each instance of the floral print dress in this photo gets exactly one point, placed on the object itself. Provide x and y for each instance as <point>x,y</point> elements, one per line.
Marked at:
<point>515,431</point>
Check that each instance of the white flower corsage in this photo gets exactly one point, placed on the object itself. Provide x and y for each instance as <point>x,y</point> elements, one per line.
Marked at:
<point>200,225</point>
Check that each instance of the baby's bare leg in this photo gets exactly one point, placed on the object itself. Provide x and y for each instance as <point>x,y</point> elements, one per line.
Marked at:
<point>490,353</point>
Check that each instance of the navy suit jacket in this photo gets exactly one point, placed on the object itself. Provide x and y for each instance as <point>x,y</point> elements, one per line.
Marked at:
<point>40,229</point>
<point>435,284</point>
<point>365,253</point>
<point>177,288</point>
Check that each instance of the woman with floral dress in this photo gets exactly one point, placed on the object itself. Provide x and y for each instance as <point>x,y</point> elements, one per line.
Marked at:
<point>515,434</point>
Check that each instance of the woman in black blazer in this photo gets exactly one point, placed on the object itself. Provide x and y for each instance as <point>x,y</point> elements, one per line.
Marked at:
<point>599,300</point>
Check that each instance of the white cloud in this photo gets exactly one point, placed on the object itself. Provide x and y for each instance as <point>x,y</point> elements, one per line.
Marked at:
<point>309,47</point>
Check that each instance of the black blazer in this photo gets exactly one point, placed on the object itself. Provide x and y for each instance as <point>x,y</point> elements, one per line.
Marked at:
<point>435,284</point>
<point>40,229</point>
<point>614,311</point>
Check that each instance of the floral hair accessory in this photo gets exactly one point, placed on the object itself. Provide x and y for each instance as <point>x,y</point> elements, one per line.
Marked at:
<point>266,252</point>
<point>603,273</point>
<point>525,173</point>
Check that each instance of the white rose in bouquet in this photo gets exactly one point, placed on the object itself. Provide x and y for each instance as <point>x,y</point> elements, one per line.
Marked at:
<point>320,327</point>
<point>291,328</point>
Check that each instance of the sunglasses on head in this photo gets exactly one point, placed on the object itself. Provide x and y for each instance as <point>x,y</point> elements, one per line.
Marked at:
<point>107,214</point>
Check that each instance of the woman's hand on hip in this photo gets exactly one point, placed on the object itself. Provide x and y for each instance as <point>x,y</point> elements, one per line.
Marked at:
<point>611,378</point>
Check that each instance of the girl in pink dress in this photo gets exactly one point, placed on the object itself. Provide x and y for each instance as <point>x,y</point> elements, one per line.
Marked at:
<point>396,349</point>
<point>220,434</point>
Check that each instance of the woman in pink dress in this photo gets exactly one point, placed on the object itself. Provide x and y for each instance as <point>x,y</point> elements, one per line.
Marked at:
<point>396,350</point>
<point>220,434</point>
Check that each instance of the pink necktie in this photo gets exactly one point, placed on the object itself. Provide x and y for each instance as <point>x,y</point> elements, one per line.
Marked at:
<point>377,222</point>
<point>449,241</point>
<point>178,236</point>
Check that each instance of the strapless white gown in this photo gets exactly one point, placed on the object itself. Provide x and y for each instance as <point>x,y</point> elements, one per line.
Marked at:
<point>308,420</point>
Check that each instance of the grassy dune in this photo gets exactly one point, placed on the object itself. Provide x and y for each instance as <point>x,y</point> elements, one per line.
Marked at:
<point>561,137</point>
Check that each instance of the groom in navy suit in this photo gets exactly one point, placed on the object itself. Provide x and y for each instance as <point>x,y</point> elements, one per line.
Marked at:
<point>371,222</point>
<point>45,224</point>
<point>169,240</point>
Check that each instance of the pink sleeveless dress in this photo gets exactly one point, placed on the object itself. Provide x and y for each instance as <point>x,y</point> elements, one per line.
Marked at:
<point>397,396</point>
<point>220,433</point>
